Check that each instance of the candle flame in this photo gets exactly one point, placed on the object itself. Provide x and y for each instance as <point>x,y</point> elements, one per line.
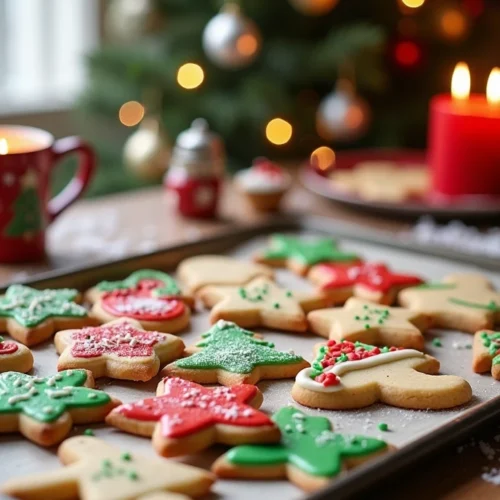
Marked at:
<point>493,87</point>
<point>4,146</point>
<point>460,82</point>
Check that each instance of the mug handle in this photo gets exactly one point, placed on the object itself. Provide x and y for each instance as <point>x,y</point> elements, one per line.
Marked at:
<point>82,177</point>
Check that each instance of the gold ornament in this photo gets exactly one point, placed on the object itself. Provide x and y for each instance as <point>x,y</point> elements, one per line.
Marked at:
<point>147,151</point>
<point>314,7</point>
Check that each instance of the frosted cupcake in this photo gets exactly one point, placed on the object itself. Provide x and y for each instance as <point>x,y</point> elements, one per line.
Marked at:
<point>263,184</point>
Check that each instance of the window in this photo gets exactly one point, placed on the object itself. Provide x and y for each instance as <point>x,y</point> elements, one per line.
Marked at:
<point>42,48</point>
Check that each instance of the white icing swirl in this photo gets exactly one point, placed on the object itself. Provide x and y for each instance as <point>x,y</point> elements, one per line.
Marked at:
<point>253,180</point>
<point>305,381</point>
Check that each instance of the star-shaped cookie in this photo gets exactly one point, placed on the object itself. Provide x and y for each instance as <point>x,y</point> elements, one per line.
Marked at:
<point>32,316</point>
<point>229,355</point>
<point>261,303</point>
<point>14,357</point>
<point>486,353</point>
<point>463,301</point>
<point>370,323</point>
<point>300,254</point>
<point>96,470</point>
<point>120,349</point>
<point>310,453</point>
<point>185,417</point>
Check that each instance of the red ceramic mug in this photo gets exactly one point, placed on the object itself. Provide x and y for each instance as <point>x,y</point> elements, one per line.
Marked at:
<point>27,158</point>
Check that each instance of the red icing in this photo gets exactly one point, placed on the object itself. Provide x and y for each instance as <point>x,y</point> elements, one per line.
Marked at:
<point>186,407</point>
<point>376,277</point>
<point>123,340</point>
<point>8,347</point>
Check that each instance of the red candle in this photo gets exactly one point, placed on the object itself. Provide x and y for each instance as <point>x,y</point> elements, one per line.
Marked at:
<point>464,139</point>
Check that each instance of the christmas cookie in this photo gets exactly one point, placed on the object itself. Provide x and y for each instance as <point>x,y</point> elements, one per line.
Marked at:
<point>486,351</point>
<point>203,270</point>
<point>383,181</point>
<point>371,281</point>
<point>310,453</point>
<point>229,355</point>
<point>120,349</point>
<point>151,297</point>
<point>464,302</point>
<point>14,357</point>
<point>185,417</point>
<point>371,323</point>
<point>98,471</point>
<point>263,184</point>
<point>261,303</point>
<point>32,316</point>
<point>299,254</point>
<point>348,375</point>
<point>44,409</point>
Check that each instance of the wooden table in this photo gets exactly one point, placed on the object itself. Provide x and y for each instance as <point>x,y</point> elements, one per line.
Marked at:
<point>449,475</point>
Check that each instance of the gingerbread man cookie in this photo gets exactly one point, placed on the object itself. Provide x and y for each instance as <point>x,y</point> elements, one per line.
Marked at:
<point>229,355</point>
<point>348,375</point>
<point>31,316</point>
<point>371,323</point>
<point>299,254</point>
<point>310,453</point>
<point>464,302</point>
<point>44,409</point>
<point>370,281</point>
<point>486,353</point>
<point>185,417</point>
<point>96,470</point>
<point>149,296</point>
<point>203,270</point>
<point>120,349</point>
<point>14,357</point>
<point>261,303</point>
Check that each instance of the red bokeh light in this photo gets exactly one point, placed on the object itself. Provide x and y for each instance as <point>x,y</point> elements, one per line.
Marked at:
<point>407,53</point>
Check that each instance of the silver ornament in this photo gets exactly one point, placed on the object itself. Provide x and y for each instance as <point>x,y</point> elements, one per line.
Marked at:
<point>230,39</point>
<point>313,7</point>
<point>342,115</point>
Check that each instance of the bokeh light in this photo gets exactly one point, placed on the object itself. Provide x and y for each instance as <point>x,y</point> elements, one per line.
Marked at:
<point>413,4</point>
<point>407,53</point>
<point>278,131</point>
<point>247,45</point>
<point>131,113</point>
<point>453,24</point>
<point>190,76</point>
<point>323,158</point>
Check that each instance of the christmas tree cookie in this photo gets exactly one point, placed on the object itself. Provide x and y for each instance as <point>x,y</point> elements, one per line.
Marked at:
<point>31,316</point>
<point>347,375</point>
<point>149,296</point>
<point>44,409</point>
<point>371,323</point>
<point>14,357</point>
<point>229,355</point>
<point>464,302</point>
<point>261,303</point>
<point>299,254</point>
<point>486,353</point>
<point>96,470</point>
<point>310,453</point>
<point>370,281</point>
<point>121,349</point>
<point>185,417</point>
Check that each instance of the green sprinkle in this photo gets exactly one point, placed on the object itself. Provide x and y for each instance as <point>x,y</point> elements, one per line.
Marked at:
<point>365,307</point>
<point>357,317</point>
<point>126,457</point>
<point>367,326</point>
<point>437,342</point>
<point>289,294</point>
<point>88,432</point>
<point>383,427</point>
<point>133,475</point>
<point>366,318</point>
<point>380,321</point>
<point>106,463</point>
<point>276,305</point>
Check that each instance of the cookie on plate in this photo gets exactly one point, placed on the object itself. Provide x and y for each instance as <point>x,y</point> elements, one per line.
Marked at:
<point>186,418</point>
<point>370,281</point>
<point>31,316</point>
<point>310,453</point>
<point>261,303</point>
<point>486,353</point>
<point>299,254</point>
<point>347,375</point>
<point>44,409</point>
<point>229,355</point>
<point>464,301</point>
<point>121,349</point>
<point>98,471</point>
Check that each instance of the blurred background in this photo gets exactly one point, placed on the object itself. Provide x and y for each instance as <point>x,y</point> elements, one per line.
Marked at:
<point>300,74</point>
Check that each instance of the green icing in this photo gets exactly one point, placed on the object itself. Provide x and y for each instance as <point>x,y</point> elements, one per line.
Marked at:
<point>46,399</point>
<point>228,347</point>
<point>169,287</point>
<point>306,252</point>
<point>436,286</point>
<point>492,343</point>
<point>491,306</point>
<point>30,307</point>
<point>307,443</point>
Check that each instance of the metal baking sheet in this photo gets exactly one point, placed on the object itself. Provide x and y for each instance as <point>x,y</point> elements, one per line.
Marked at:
<point>413,432</point>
